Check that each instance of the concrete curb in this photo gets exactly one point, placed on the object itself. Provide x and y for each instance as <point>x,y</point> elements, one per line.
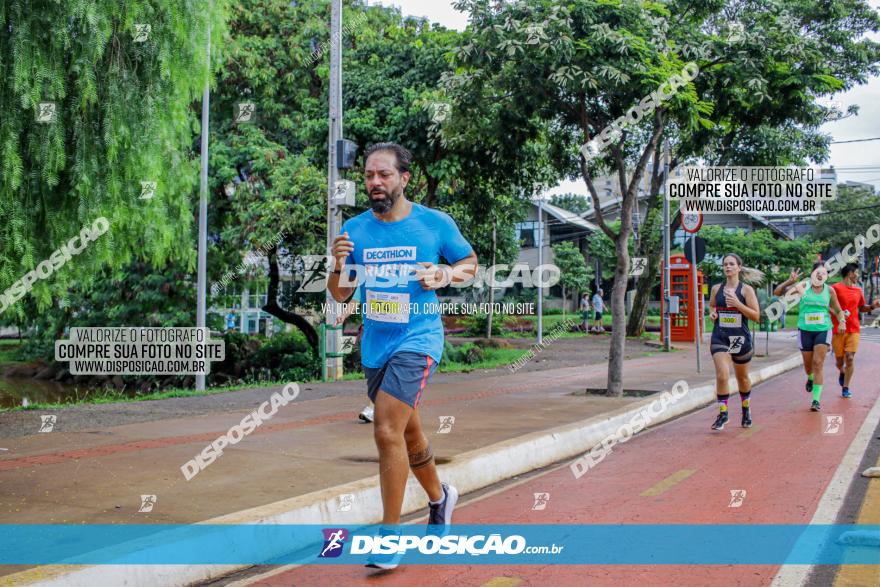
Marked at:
<point>468,471</point>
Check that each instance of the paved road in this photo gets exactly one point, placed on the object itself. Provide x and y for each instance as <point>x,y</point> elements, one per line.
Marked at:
<point>679,473</point>
<point>871,335</point>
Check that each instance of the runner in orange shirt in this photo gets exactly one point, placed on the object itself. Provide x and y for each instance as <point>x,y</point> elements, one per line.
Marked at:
<point>845,345</point>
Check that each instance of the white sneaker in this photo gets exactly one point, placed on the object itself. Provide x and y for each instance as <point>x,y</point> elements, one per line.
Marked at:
<point>367,414</point>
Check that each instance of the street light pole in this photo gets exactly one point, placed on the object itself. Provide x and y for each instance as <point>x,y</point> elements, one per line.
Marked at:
<point>541,265</point>
<point>202,269</point>
<point>666,321</point>
<point>697,299</point>
<point>334,216</point>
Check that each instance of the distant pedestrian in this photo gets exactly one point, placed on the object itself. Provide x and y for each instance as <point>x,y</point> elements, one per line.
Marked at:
<point>598,307</point>
<point>585,311</point>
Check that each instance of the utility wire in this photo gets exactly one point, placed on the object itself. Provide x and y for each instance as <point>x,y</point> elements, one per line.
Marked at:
<point>855,141</point>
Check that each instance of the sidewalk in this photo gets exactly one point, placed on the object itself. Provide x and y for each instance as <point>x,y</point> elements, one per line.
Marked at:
<point>98,475</point>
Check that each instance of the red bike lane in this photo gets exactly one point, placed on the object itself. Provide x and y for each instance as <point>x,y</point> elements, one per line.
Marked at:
<point>679,473</point>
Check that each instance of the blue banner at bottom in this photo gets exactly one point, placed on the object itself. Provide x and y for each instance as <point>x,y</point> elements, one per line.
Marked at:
<point>523,544</point>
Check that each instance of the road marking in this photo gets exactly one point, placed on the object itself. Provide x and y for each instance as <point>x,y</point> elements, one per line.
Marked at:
<point>869,513</point>
<point>668,483</point>
<point>832,500</point>
<point>871,334</point>
<point>502,582</point>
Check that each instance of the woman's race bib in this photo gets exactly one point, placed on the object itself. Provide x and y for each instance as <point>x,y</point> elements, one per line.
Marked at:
<point>814,318</point>
<point>387,307</point>
<point>729,319</point>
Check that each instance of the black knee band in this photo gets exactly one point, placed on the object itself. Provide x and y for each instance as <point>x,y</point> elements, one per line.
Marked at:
<point>421,458</point>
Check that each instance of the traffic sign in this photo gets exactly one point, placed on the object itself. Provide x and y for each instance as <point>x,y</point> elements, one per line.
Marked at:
<point>701,248</point>
<point>691,221</point>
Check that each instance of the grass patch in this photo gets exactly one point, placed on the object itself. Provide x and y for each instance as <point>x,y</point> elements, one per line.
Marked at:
<point>492,358</point>
<point>9,352</point>
<point>110,396</point>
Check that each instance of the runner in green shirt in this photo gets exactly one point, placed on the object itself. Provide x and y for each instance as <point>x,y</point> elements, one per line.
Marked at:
<point>814,327</point>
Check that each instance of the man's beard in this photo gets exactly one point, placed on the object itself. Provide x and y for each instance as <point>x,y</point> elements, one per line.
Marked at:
<point>384,205</point>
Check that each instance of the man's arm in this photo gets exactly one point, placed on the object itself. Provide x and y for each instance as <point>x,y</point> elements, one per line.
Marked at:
<point>341,249</point>
<point>465,269</point>
<point>869,308</point>
<point>437,276</point>
<point>866,307</point>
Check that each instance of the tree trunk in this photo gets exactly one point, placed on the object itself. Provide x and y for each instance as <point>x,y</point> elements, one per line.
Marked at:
<point>621,272</point>
<point>274,309</point>
<point>491,289</point>
<point>618,312</point>
<point>635,325</point>
<point>564,300</point>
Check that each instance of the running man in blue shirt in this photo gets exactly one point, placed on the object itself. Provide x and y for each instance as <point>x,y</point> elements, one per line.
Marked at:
<point>395,249</point>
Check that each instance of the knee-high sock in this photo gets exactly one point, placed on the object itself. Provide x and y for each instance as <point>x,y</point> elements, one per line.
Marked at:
<point>817,391</point>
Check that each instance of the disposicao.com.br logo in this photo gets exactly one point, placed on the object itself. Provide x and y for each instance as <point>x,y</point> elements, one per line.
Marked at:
<point>451,544</point>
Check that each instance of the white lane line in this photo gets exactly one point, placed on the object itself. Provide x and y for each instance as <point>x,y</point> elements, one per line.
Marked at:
<point>833,498</point>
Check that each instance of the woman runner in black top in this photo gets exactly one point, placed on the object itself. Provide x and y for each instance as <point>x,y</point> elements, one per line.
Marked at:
<point>733,304</point>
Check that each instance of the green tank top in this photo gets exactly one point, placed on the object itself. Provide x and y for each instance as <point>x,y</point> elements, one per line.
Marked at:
<point>813,314</point>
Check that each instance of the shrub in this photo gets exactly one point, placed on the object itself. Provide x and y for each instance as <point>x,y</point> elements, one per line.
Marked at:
<point>468,353</point>
<point>285,356</point>
<point>476,325</point>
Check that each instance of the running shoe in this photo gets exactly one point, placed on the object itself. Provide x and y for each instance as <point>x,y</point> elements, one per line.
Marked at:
<point>814,407</point>
<point>720,421</point>
<point>386,562</point>
<point>845,392</point>
<point>809,385</point>
<point>747,418</point>
<point>841,379</point>
<point>441,513</point>
<point>367,414</point>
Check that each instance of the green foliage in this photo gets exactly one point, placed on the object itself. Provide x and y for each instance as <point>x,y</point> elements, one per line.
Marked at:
<point>601,247</point>
<point>574,273</point>
<point>759,249</point>
<point>850,215</point>
<point>137,294</point>
<point>476,324</point>
<point>572,202</point>
<point>123,115</point>
<point>285,356</point>
<point>467,354</point>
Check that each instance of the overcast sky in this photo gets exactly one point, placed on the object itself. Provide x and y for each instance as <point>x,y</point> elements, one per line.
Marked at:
<point>848,158</point>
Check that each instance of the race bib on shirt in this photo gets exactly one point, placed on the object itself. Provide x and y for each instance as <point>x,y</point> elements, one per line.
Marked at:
<point>815,318</point>
<point>387,307</point>
<point>729,319</point>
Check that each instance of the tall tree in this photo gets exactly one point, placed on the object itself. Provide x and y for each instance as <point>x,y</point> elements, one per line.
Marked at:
<point>578,67</point>
<point>97,98</point>
<point>766,71</point>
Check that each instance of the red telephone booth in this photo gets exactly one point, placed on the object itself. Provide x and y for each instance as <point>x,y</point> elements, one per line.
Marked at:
<point>683,324</point>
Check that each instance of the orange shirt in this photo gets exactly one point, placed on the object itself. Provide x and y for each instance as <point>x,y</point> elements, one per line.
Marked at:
<point>851,299</point>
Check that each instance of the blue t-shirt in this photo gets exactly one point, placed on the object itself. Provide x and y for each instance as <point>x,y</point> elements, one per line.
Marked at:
<point>398,314</point>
